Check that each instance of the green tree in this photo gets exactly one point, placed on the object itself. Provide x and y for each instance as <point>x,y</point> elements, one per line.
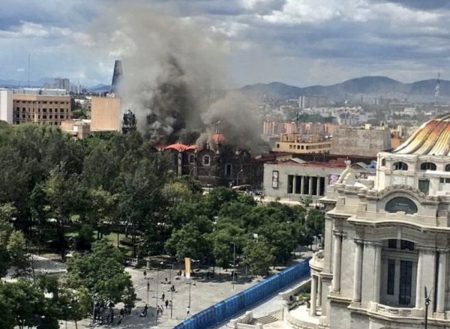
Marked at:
<point>27,301</point>
<point>65,199</point>
<point>226,240</point>
<point>7,319</point>
<point>315,222</point>
<point>189,242</point>
<point>258,257</point>
<point>102,273</point>
<point>17,251</point>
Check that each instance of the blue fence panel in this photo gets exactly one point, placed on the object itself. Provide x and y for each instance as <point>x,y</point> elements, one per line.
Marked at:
<point>236,304</point>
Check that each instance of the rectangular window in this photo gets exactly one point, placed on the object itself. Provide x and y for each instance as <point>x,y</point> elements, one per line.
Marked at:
<point>406,245</point>
<point>392,243</point>
<point>391,277</point>
<point>298,180</point>
<point>404,297</point>
<point>228,170</point>
<point>424,186</point>
<point>290,186</point>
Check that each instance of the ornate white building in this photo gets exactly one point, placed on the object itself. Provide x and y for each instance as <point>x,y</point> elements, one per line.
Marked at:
<point>387,240</point>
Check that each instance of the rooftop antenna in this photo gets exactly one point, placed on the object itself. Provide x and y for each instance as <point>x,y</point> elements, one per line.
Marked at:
<point>28,71</point>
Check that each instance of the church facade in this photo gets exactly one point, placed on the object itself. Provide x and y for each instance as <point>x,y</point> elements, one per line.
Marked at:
<point>386,249</point>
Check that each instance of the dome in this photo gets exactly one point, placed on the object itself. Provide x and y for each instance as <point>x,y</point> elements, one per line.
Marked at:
<point>432,138</point>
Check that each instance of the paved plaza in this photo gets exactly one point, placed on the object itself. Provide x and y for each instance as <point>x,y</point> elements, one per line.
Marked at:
<point>204,293</point>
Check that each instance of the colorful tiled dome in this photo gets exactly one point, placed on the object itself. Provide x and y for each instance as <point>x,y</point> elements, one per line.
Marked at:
<point>432,138</point>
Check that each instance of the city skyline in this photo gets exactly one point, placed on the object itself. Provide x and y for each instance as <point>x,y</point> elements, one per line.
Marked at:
<point>296,42</point>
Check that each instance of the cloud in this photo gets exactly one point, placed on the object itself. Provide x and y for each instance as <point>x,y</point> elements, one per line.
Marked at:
<point>295,41</point>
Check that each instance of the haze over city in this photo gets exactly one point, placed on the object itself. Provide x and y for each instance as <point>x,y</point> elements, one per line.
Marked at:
<point>296,42</point>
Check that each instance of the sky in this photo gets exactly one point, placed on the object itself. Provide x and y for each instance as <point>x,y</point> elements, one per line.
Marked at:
<point>299,42</point>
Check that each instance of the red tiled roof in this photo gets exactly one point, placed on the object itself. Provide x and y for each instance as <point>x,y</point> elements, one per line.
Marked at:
<point>180,147</point>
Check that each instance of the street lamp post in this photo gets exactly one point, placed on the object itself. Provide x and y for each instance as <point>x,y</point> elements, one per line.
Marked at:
<point>189,301</point>
<point>234,264</point>
<point>427,303</point>
<point>171,292</point>
<point>237,176</point>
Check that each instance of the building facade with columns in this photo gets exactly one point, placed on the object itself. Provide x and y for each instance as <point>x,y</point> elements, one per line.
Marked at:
<point>387,240</point>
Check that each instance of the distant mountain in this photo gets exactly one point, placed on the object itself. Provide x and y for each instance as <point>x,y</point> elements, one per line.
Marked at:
<point>354,88</point>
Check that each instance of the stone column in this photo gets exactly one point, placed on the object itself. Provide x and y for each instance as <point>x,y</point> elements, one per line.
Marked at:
<point>313,295</point>
<point>310,185</point>
<point>337,261</point>
<point>319,292</point>
<point>358,271</point>
<point>440,306</point>
<point>371,269</point>
<point>294,180</point>
<point>377,279</point>
<point>318,186</point>
<point>419,288</point>
<point>428,274</point>
<point>302,182</point>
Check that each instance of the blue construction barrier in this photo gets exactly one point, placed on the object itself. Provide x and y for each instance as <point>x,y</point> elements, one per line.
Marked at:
<point>236,304</point>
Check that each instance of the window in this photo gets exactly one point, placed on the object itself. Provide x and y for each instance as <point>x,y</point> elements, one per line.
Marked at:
<point>206,160</point>
<point>428,166</point>
<point>391,277</point>
<point>228,170</point>
<point>447,167</point>
<point>424,186</point>
<point>400,166</point>
<point>290,187</point>
<point>191,158</point>
<point>401,204</point>
<point>406,245</point>
<point>383,162</point>
<point>404,297</point>
<point>392,244</point>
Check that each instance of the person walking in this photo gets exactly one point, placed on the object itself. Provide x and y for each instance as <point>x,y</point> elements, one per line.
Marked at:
<point>167,303</point>
<point>121,315</point>
<point>163,297</point>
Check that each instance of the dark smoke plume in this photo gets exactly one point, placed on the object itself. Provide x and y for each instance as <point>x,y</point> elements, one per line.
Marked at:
<point>173,76</point>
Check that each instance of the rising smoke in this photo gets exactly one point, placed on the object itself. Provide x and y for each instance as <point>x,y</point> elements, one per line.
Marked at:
<point>173,77</point>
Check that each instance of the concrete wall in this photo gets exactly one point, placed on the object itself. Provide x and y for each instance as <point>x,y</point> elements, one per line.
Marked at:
<point>105,114</point>
<point>356,141</point>
<point>284,170</point>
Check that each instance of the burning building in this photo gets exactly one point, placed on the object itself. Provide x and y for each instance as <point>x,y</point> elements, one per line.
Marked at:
<point>216,163</point>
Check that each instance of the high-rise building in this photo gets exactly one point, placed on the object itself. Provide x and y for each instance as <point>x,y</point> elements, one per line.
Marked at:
<point>62,83</point>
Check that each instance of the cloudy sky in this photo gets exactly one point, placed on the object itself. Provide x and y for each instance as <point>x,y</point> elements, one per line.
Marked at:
<point>301,42</point>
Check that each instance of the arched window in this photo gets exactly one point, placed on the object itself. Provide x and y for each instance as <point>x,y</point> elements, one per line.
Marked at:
<point>383,162</point>
<point>428,166</point>
<point>447,167</point>
<point>400,166</point>
<point>206,160</point>
<point>401,204</point>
